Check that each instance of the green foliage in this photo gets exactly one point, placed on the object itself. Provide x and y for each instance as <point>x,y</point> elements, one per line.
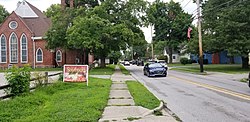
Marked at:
<point>142,96</point>
<point>162,57</point>
<point>60,77</point>
<point>39,79</point>
<point>18,79</point>
<point>185,61</point>
<point>59,102</point>
<point>124,70</point>
<point>100,29</point>
<point>114,55</point>
<point>170,23</point>
<point>3,14</point>
<point>225,28</point>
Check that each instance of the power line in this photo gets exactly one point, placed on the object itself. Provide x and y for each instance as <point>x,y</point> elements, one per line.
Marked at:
<point>187,3</point>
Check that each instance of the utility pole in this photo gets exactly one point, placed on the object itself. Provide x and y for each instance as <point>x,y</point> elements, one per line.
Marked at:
<point>152,46</point>
<point>200,38</point>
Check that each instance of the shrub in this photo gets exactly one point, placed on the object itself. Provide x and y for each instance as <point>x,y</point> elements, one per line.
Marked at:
<point>162,57</point>
<point>39,79</point>
<point>18,79</point>
<point>184,61</point>
<point>60,77</point>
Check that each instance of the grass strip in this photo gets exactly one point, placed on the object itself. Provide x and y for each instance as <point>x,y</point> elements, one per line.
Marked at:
<point>224,68</point>
<point>108,70</point>
<point>59,102</point>
<point>142,96</point>
<point>124,70</point>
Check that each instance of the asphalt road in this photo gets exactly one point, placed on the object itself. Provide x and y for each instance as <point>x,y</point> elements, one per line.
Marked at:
<point>198,98</point>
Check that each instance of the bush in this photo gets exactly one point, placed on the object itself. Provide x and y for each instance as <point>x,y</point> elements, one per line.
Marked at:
<point>162,57</point>
<point>184,61</point>
<point>18,79</point>
<point>39,79</point>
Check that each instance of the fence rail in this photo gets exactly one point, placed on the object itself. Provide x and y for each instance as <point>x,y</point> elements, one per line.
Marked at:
<point>46,77</point>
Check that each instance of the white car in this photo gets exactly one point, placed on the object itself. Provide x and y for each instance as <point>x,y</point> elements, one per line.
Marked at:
<point>126,63</point>
<point>163,63</point>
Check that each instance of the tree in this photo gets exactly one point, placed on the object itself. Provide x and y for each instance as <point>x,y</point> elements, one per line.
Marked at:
<point>100,36</point>
<point>3,14</point>
<point>226,28</point>
<point>101,29</point>
<point>170,22</point>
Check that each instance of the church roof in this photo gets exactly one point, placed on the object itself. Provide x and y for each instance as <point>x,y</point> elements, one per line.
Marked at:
<point>36,21</point>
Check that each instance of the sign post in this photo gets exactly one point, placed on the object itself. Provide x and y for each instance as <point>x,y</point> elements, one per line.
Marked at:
<point>75,73</point>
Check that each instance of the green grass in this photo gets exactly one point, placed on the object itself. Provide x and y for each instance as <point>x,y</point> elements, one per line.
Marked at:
<point>142,96</point>
<point>179,64</point>
<point>108,70</point>
<point>59,102</point>
<point>47,69</point>
<point>124,70</point>
<point>225,68</point>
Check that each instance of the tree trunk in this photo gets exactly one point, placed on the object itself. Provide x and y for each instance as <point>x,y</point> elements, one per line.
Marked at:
<point>245,61</point>
<point>232,60</point>
<point>170,55</point>
<point>65,56</point>
<point>103,61</point>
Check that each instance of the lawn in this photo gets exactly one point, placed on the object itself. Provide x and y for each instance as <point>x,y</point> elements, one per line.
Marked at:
<point>59,102</point>
<point>124,70</point>
<point>142,96</point>
<point>108,70</point>
<point>225,68</point>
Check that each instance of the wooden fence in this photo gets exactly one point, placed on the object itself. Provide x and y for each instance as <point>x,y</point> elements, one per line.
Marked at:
<point>46,80</point>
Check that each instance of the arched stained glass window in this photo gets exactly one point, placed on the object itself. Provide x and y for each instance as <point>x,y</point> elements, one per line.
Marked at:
<point>13,48</point>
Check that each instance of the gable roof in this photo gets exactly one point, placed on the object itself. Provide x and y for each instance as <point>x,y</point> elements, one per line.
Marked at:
<point>36,21</point>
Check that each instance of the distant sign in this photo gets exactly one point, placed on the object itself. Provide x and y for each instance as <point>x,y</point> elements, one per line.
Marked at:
<point>75,73</point>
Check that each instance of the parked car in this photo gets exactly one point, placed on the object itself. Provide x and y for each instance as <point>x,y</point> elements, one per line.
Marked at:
<point>154,69</point>
<point>163,63</point>
<point>140,63</point>
<point>126,63</point>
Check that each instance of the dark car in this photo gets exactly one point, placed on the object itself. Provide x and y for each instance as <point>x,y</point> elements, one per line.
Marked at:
<point>154,69</point>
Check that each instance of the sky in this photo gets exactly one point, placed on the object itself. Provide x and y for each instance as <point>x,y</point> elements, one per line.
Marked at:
<point>10,5</point>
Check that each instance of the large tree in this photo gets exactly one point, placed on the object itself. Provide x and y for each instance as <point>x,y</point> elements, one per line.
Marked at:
<point>101,29</point>
<point>3,14</point>
<point>170,23</point>
<point>226,27</point>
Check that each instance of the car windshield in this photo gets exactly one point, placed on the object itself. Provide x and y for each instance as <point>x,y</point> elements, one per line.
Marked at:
<point>154,65</point>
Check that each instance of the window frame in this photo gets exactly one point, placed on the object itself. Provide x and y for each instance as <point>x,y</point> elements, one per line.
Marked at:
<point>37,55</point>
<point>59,51</point>
<point>10,51</point>
<point>21,48</point>
<point>1,48</point>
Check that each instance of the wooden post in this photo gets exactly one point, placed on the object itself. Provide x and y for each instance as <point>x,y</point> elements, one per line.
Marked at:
<point>46,79</point>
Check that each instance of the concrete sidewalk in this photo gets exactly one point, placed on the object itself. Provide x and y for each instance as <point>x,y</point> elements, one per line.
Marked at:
<point>121,106</point>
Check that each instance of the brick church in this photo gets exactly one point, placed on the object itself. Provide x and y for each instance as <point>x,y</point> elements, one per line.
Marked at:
<point>22,41</point>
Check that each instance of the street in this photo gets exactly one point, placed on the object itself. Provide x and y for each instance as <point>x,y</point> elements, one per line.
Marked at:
<point>200,98</point>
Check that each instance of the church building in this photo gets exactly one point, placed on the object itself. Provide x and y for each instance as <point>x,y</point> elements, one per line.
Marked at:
<point>22,41</point>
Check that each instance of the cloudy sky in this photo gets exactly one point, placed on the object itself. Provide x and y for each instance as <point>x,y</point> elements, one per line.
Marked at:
<point>10,5</point>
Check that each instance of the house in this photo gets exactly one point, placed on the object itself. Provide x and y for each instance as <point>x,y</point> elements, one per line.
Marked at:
<point>22,41</point>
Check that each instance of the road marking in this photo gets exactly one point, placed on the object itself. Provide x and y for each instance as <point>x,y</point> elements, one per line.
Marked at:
<point>215,88</point>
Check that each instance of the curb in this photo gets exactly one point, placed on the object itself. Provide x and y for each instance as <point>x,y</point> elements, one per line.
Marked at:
<point>159,108</point>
